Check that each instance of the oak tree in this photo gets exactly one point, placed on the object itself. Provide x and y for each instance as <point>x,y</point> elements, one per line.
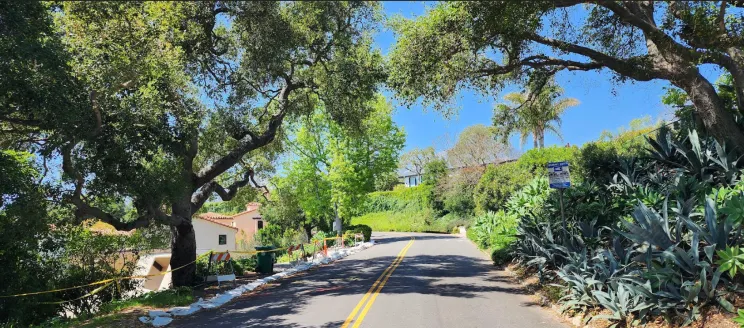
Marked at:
<point>166,104</point>
<point>486,44</point>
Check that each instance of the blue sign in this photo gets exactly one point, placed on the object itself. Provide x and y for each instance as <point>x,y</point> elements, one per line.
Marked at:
<point>558,175</point>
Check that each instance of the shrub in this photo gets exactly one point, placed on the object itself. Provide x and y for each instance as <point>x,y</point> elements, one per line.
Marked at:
<point>318,236</point>
<point>456,191</point>
<point>401,198</point>
<point>361,228</point>
<point>413,221</point>
<point>497,184</point>
<point>536,161</point>
<point>501,255</point>
<point>633,252</point>
<point>245,264</point>
<point>270,235</point>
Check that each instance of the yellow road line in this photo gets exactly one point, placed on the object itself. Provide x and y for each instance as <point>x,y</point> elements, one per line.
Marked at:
<point>379,283</point>
<point>371,289</point>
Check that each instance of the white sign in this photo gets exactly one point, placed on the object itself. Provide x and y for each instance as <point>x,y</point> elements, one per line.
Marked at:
<point>558,175</point>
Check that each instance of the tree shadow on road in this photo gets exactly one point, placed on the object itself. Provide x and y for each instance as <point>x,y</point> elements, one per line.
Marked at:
<point>443,275</point>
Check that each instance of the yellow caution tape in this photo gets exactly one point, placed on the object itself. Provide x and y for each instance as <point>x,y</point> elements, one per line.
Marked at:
<point>93,292</point>
<point>59,290</point>
<point>104,281</point>
<point>109,281</point>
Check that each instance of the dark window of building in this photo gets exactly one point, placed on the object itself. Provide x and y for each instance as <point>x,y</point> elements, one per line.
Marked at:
<point>223,239</point>
<point>260,224</point>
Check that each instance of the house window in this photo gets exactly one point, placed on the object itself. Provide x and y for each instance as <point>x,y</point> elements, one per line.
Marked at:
<point>260,224</point>
<point>223,240</point>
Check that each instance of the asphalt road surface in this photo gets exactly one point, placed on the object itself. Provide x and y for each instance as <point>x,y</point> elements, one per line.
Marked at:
<point>433,281</point>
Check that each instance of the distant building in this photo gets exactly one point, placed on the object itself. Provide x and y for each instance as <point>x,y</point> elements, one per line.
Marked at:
<point>412,179</point>
<point>409,178</point>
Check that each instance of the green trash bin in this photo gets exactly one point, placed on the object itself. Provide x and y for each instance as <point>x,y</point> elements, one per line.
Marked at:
<point>265,263</point>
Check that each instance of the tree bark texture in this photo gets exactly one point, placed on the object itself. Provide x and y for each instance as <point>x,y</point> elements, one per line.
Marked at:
<point>183,254</point>
<point>718,121</point>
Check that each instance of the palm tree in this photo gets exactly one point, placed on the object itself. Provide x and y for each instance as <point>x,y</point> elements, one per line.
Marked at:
<point>532,113</point>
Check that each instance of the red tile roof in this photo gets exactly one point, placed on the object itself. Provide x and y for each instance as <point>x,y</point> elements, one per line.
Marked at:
<point>250,207</point>
<point>214,216</point>
<point>217,221</point>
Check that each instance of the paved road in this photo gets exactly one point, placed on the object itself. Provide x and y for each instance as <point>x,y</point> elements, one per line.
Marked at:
<point>441,281</point>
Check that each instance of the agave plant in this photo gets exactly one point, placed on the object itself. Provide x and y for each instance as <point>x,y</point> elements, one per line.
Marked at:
<point>651,228</point>
<point>717,236</point>
<point>706,159</point>
<point>623,302</point>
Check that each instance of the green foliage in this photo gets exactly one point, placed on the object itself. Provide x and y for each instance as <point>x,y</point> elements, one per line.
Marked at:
<point>415,160</point>
<point>734,207</point>
<point>25,223</point>
<point>436,171</point>
<point>536,161</point>
<point>400,199</point>
<point>731,260</point>
<point>497,184</point>
<point>408,221</point>
<point>270,235</point>
<point>336,168</point>
<point>387,182</point>
<point>740,317</point>
<point>97,252</point>
<point>493,230</point>
<point>456,193</point>
<point>497,231</point>
<point>318,236</point>
<point>180,296</point>
<point>181,101</point>
<point>486,45</point>
<point>630,250</point>
<point>245,264</point>
<point>361,228</point>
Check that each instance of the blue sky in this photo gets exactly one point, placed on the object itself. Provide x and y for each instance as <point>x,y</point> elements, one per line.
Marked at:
<point>604,105</point>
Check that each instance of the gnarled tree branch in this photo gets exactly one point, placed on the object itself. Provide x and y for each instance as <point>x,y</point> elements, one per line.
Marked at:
<point>246,145</point>
<point>83,210</point>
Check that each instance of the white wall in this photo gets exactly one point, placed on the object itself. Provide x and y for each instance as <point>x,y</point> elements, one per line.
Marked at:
<point>145,267</point>
<point>207,236</point>
<point>207,239</point>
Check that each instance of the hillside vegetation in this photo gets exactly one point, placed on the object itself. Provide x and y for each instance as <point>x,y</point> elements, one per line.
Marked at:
<point>405,209</point>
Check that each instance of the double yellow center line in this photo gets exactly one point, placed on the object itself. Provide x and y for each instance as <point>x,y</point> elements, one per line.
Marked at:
<point>375,290</point>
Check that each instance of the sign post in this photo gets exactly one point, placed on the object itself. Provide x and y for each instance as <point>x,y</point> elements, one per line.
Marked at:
<point>559,178</point>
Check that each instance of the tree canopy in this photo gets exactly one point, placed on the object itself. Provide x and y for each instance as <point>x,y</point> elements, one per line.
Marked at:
<point>476,146</point>
<point>485,45</point>
<point>415,160</point>
<point>337,167</point>
<point>170,103</point>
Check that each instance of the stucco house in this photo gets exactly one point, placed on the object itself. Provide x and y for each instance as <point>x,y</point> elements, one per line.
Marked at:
<point>247,222</point>
<point>211,235</point>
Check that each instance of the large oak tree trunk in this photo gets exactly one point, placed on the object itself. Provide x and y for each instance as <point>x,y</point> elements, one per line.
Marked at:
<point>183,252</point>
<point>718,121</point>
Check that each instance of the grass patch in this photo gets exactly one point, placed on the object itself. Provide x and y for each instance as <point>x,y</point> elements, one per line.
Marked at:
<point>167,298</point>
<point>407,221</point>
<point>109,315</point>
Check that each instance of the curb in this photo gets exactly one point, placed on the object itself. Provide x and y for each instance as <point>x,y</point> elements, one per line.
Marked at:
<point>159,318</point>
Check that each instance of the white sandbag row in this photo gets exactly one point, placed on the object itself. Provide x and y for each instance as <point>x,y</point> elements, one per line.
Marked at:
<point>160,318</point>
